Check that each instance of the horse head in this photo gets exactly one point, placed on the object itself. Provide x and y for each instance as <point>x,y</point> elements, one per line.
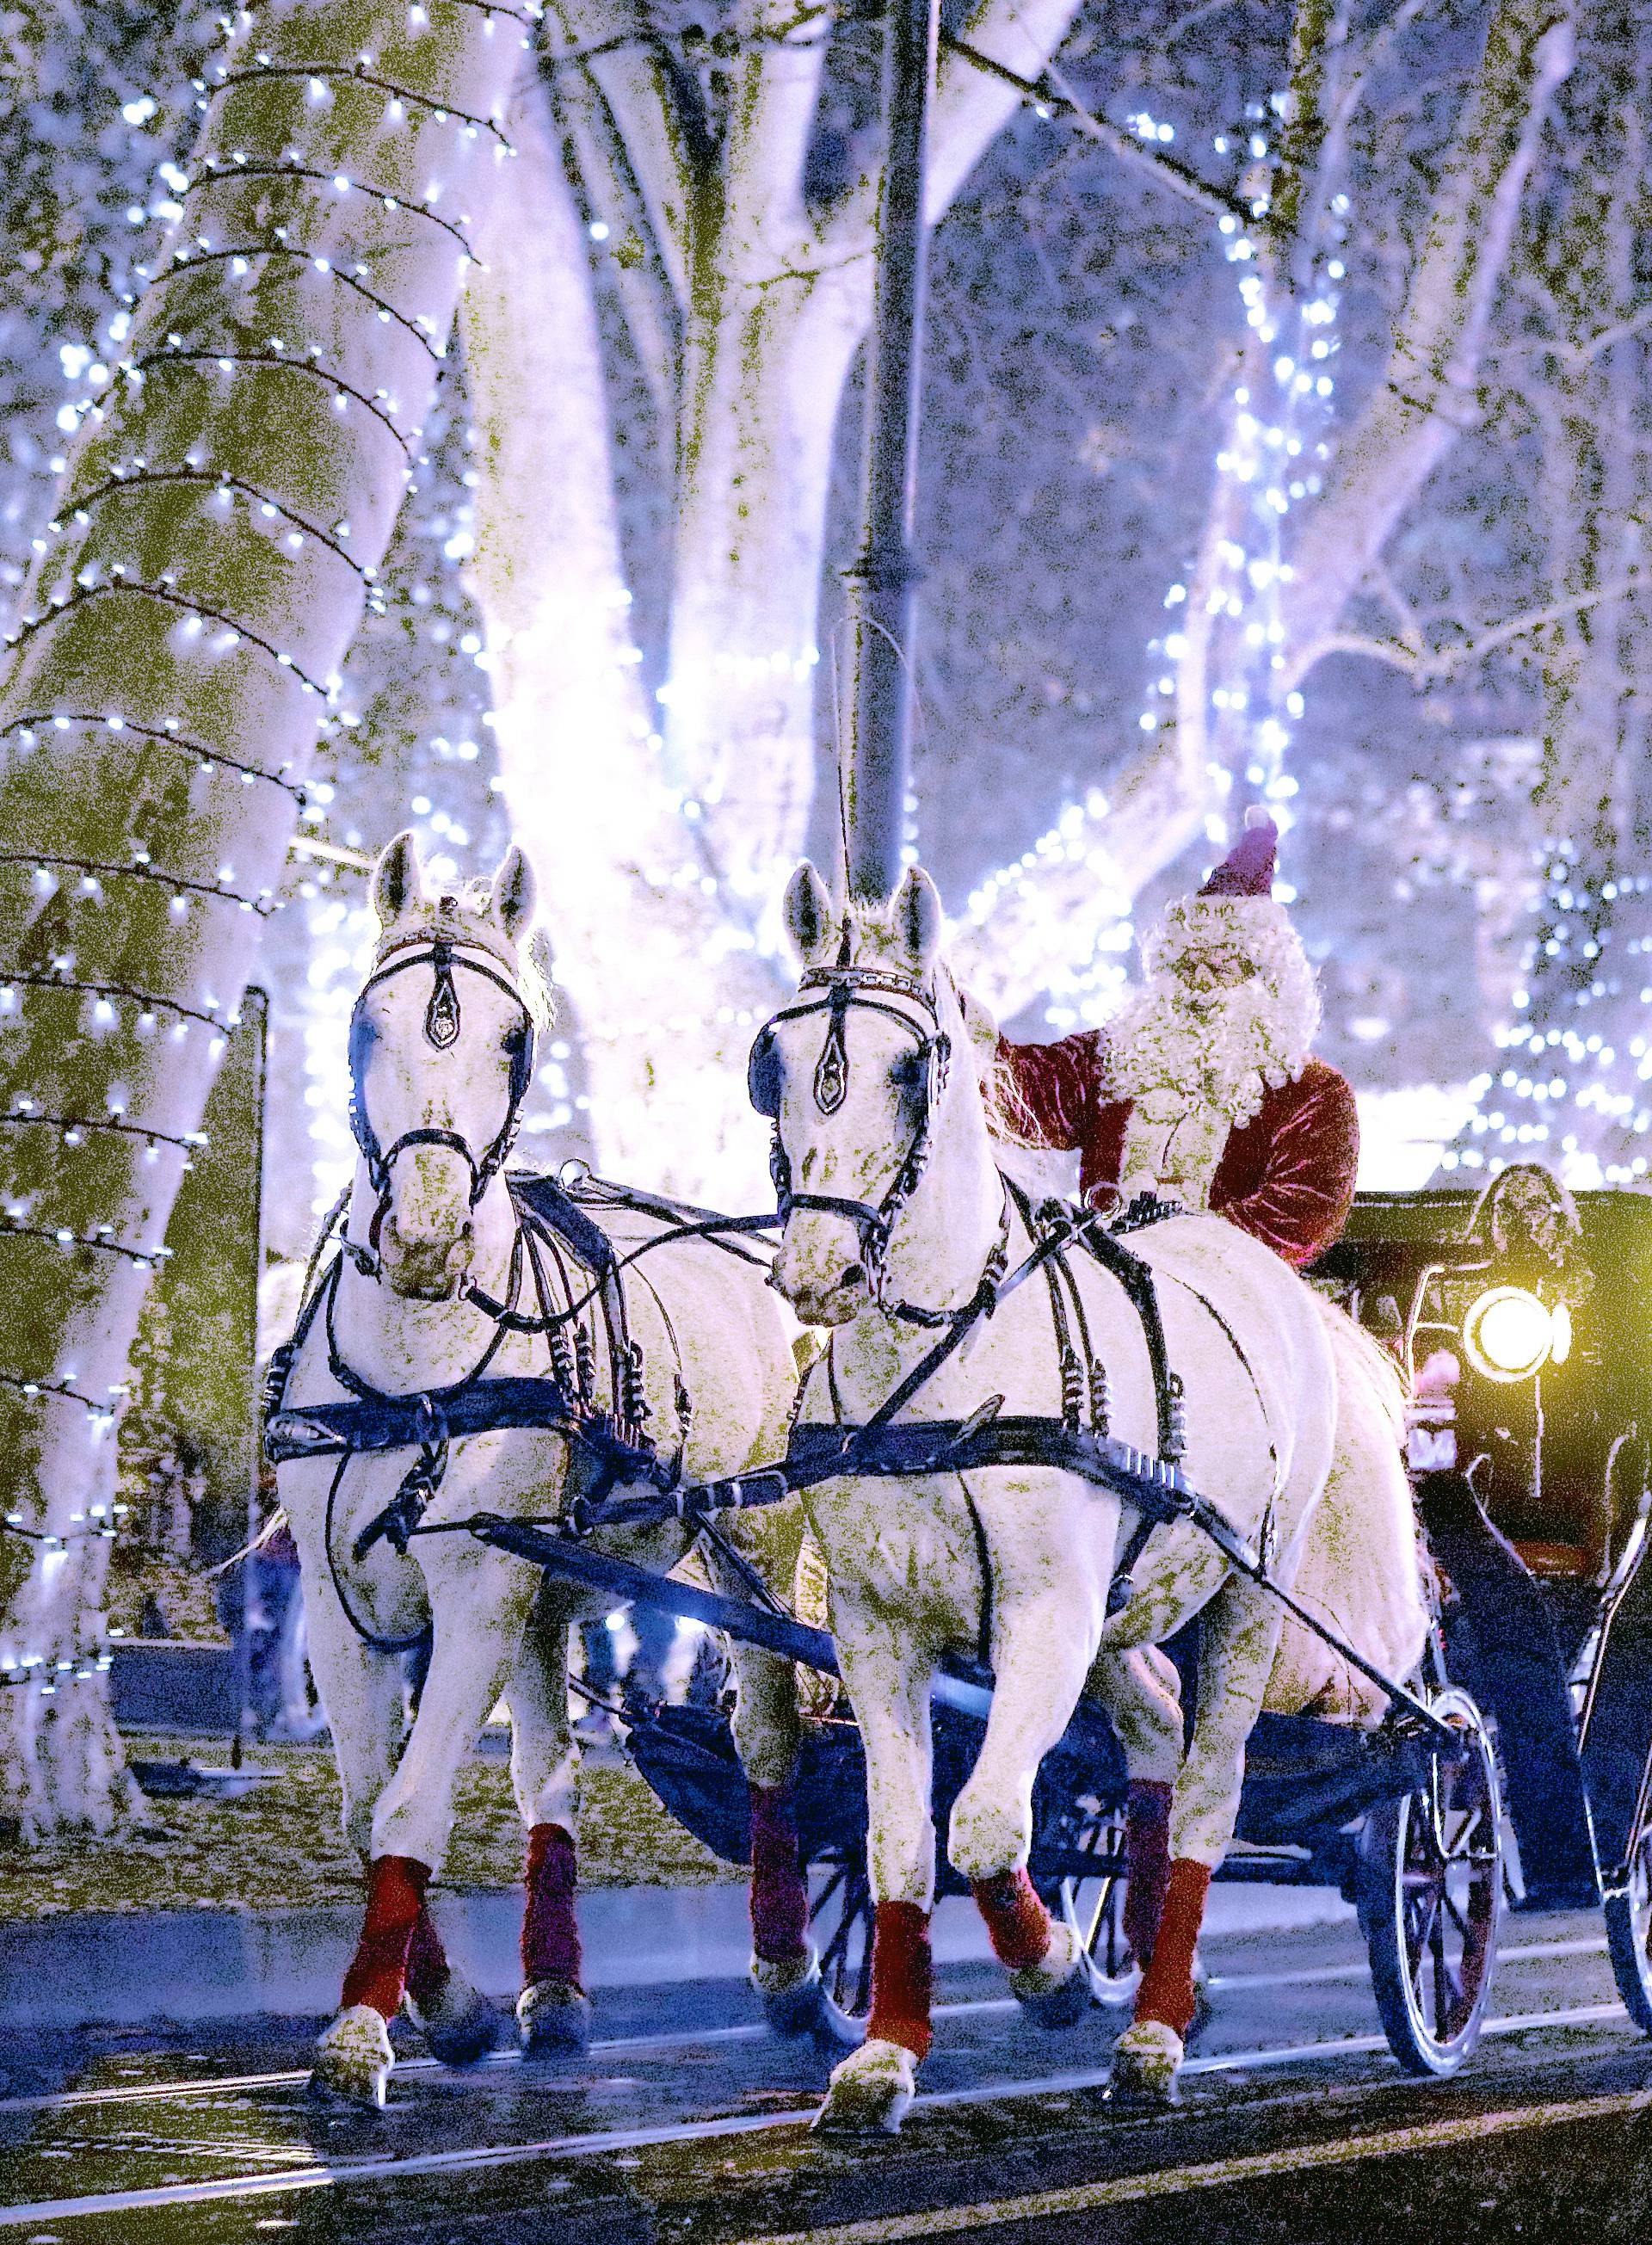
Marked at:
<point>854,1078</point>
<point>441,1046</point>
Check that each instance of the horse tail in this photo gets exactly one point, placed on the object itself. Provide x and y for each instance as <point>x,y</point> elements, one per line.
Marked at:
<point>1361,1566</point>
<point>1360,1355</point>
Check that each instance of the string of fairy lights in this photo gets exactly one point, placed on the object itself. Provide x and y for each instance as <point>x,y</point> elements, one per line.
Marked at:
<point>1272,457</point>
<point>1557,1076</point>
<point>62,588</point>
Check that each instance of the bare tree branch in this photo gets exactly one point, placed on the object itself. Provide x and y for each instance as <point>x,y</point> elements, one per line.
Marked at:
<point>611,43</point>
<point>783,52</point>
<point>973,105</point>
<point>1426,392</point>
<point>644,283</point>
<point>1425,665</point>
<point>1056,91</point>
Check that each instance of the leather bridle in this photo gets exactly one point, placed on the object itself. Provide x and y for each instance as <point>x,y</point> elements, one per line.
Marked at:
<point>444,954</point>
<point>845,989</point>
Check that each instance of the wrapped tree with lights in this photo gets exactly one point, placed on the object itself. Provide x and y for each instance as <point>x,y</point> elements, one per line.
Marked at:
<point>220,520</point>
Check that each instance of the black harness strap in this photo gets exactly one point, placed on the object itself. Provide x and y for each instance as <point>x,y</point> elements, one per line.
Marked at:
<point>1138,1281</point>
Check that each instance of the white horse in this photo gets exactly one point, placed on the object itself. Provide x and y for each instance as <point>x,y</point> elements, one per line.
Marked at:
<point>441,1051</point>
<point>892,1200</point>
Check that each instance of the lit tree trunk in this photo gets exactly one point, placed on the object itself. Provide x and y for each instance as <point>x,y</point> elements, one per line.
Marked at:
<point>220,523</point>
<point>682,840</point>
<point>645,953</point>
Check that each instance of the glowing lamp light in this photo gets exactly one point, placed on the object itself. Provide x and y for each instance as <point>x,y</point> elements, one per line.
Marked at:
<point>1510,1335</point>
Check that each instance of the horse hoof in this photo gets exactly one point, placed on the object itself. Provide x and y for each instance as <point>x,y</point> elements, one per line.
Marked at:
<point>553,2019</point>
<point>796,2005</point>
<point>872,2091</point>
<point>459,2024</point>
<point>353,2058</point>
<point>1055,1992</point>
<point>1146,2059</point>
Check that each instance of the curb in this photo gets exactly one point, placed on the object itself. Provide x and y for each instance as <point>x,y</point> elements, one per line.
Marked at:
<point>183,1966</point>
<point>129,1968</point>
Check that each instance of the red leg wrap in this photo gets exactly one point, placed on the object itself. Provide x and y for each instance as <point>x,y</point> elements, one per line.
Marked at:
<point>779,1896</point>
<point>550,1930</point>
<point>903,1976</point>
<point>1166,1992</point>
<point>1147,1855</point>
<point>396,1887</point>
<point>1018,1924</point>
<point>427,1970</point>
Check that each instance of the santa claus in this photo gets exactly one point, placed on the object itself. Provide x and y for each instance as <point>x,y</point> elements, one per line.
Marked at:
<point>1201,1091</point>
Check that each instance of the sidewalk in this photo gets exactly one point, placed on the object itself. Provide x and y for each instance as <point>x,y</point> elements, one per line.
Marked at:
<point>185,1966</point>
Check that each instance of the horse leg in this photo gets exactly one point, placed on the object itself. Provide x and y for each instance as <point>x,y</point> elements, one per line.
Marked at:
<point>1240,1639</point>
<point>1042,1650</point>
<point>477,1638</point>
<point>889,1684</point>
<point>1140,1689</point>
<point>553,2012</point>
<point>361,1694</point>
<point>785,1965</point>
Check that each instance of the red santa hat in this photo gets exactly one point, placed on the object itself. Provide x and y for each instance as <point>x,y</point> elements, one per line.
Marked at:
<point>1247,869</point>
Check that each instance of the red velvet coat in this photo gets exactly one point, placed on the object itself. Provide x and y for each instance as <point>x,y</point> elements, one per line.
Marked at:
<point>1287,1175</point>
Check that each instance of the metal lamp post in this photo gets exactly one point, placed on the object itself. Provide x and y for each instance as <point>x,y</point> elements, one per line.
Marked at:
<point>882,580</point>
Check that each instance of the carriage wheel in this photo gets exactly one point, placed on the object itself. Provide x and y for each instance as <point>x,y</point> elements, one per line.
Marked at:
<point>840,1921</point>
<point>1628,1933</point>
<point>1430,1895</point>
<point>1092,1904</point>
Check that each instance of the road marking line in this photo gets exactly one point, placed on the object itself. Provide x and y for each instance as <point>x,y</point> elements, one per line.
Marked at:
<point>423,2163</point>
<point>1312,1975</point>
<point>1214,2174</point>
<point>149,2093</point>
<point>741,2123</point>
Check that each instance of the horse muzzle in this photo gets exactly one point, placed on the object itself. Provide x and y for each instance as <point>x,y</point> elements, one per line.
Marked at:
<point>823,1277</point>
<point>426,1270</point>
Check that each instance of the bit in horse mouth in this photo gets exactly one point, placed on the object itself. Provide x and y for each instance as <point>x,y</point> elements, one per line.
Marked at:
<point>442,1290</point>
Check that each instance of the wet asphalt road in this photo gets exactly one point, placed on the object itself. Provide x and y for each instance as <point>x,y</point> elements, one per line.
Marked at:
<point>686,2123</point>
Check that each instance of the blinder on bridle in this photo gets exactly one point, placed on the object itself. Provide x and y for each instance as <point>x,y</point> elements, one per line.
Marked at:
<point>846,988</point>
<point>444,1019</point>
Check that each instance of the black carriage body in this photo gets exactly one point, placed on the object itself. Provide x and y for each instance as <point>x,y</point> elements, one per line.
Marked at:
<point>1538,1525</point>
<point>1547,1444</point>
<point>1308,1783</point>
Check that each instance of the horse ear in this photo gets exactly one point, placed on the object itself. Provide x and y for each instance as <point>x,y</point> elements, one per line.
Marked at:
<point>808,912</point>
<point>515,893</point>
<point>916,915</point>
<point>398,880</point>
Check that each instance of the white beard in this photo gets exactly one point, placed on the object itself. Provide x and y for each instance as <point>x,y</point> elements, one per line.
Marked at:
<point>1195,1073</point>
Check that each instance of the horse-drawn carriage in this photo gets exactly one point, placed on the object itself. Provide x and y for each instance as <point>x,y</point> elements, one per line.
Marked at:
<point>1532,1413</point>
<point>1529,1456</point>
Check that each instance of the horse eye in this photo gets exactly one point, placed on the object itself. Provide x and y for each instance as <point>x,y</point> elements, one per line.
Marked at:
<point>906,1076</point>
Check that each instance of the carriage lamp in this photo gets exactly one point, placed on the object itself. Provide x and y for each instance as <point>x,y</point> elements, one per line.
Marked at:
<point>1510,1334</point>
